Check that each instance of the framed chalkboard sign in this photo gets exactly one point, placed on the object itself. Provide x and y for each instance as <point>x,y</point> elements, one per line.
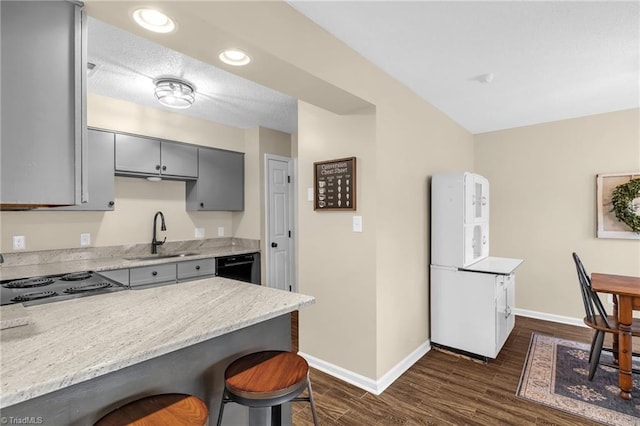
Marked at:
<point>335,184</point>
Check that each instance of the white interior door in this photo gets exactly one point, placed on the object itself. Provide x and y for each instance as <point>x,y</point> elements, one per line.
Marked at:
<point>278,242</point>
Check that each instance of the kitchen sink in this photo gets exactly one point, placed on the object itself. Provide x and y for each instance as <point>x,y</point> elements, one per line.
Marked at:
<point>162,256</point>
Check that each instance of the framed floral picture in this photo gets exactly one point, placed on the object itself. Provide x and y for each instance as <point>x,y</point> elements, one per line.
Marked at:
<point>618,204</point>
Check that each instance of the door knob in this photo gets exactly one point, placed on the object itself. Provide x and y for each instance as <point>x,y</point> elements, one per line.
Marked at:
<point>274,245</point>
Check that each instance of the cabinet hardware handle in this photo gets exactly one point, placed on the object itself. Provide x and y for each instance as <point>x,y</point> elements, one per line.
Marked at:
<point>157,166</point>
<point>154,273</point>
<point>201,204</point>
<point>164,168</point>
<point>111,203</point>
<point>197,267</point>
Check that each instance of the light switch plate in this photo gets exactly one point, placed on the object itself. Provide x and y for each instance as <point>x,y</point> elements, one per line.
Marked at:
<point>357,224</point>
<point>85,239</point>
<point>19,242</point>
<point>220,231</point>
<point>199,233</point>
<point>309,194</point>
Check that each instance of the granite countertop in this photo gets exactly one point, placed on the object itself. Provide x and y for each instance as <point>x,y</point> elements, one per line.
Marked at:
<point>72,341</point>
<point>56,262</point>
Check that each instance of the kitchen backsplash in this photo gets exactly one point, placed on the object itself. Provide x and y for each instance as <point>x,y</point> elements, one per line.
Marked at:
<point>128,250</point>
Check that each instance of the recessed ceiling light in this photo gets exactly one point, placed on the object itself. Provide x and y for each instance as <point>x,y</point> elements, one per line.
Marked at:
<point>153,20</point>
<point>234,57</point>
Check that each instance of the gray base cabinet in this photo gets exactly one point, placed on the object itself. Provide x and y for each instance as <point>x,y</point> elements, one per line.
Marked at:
<point>100,184</point>
<point>141,156</point>
<point>43,103</point>
<point>194,269</point>
<point>220,184</point>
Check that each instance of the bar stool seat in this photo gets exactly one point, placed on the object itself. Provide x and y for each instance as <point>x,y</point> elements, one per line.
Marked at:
<point>267,379</point>
<point>171,409</point>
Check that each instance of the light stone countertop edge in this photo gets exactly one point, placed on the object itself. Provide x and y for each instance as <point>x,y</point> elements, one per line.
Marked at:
<point>72,341</point>
<point>8,272</point>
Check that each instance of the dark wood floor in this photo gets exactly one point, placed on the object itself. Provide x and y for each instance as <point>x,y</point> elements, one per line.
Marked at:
<point>443,389</point>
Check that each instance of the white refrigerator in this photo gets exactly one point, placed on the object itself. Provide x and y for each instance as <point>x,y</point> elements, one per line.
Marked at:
<point>472,294</point>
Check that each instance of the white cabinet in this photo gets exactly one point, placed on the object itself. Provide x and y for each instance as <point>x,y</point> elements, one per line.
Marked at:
<point>472,294</point>
<point>471,311</point>
<point>476,193</point>
<point>459,219</point>
<point>476,242</point>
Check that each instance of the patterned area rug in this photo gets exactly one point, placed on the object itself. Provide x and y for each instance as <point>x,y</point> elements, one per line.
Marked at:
<point>555,374</point>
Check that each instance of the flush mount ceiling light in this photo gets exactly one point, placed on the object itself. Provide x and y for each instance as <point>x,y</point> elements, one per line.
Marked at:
<point>234,57</point>
<point>153,20</point>
<point>175,93</point>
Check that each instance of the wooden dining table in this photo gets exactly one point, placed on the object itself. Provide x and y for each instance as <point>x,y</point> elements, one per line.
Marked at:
<point>627,290</point>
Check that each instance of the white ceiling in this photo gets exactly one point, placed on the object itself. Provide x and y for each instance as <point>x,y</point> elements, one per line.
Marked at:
<point>549,60</point>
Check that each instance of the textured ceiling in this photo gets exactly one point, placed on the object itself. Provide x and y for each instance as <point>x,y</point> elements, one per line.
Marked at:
<point>550,60</point>
<point>127,64</point>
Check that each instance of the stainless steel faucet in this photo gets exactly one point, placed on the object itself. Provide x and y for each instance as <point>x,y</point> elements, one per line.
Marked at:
<point>154,242</point>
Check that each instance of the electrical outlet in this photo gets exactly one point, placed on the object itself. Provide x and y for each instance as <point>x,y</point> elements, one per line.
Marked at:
<point>85,239</point>
<point>19,242</point>
<point>220,231</point>
<point>199,233</point>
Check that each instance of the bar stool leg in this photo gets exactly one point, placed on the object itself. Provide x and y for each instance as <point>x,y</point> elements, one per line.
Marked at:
<point>222,402</point>
<point>276,415</point>
<point>313,405</point>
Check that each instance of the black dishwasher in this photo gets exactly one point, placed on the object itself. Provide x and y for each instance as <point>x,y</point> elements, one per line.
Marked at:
<point>241,267</point>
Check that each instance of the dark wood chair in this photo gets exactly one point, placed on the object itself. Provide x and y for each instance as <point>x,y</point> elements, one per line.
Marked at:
<point>171,409</point>
<point>597,318</point>
<point>267,379</point>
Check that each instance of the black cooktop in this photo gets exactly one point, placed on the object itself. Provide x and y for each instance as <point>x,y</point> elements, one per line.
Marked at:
<point>37,290</point>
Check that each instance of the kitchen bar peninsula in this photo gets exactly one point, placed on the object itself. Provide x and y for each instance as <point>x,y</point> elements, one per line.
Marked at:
<point>79,359</point>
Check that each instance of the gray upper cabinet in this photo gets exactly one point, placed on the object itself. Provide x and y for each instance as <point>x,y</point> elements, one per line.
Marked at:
<point>220,184</point>
<point>100,177</point>
<point>142,156</point>
<point>43,103</point>
<point>179,159</point>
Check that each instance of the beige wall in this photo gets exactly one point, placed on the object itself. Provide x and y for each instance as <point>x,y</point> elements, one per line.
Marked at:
<point>246,223</point>
<point>136,199</point>
<point>336,265</point>
<point>543,203</point>
<point>414,141</point>
<point>250,223</point>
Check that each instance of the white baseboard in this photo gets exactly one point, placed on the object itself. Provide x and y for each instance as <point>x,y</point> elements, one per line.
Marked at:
<point>549,317</point>
<point>375,387</point>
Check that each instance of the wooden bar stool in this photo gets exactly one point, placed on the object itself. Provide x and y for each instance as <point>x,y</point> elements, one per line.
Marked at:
<point>172,409</point>
<point>267,379</point>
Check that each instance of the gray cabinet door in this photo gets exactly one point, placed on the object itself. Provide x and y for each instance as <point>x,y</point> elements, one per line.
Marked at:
<point>141,156</point>
<point>220,184</point>
<point>100,177</point>
<point>156,274</point>
<point>137,155</point>
<point>192,269</point>
<point>179,159</point>
<point>43,109</point>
